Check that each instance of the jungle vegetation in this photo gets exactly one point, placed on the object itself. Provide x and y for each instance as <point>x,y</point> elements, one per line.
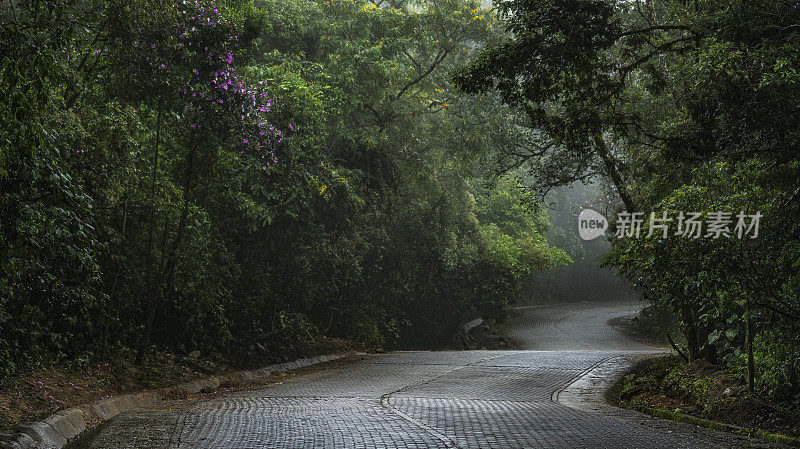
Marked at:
<point>689,106</point>
<point>211,174</point>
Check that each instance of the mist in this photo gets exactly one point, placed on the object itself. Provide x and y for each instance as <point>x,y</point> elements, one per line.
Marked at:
<point>581,280</point>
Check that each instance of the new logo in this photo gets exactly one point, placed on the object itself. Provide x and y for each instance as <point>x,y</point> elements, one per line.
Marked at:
<point>591,224</point>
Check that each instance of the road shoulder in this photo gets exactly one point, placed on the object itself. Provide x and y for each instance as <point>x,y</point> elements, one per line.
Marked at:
<point>594,391</point>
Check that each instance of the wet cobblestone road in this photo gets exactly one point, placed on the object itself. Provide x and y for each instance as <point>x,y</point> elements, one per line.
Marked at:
<point>470,399</point>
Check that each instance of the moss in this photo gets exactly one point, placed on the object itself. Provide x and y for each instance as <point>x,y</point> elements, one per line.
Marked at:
<point>716,425</point>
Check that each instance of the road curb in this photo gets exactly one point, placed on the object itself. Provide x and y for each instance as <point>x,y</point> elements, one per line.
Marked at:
<point>716,425</point>
<point>62,427</point>
<point>555,396</point>
<point>596,389</point>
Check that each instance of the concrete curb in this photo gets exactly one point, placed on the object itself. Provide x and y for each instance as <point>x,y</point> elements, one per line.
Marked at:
<point>596,390</point>
<point>60,428</point>
<point>716,425</point>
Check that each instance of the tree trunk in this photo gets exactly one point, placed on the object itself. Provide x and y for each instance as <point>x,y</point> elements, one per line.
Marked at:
<point>144,340</point>
<point>709,351</point>
<point>690,329</point>
<point>172,255</point>
<point>166,275</point>
<point>751,371</point>
<point>613,172</point>
<point>794,379</point>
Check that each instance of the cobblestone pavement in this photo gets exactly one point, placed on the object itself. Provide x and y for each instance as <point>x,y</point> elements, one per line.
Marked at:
<point>469,399</point>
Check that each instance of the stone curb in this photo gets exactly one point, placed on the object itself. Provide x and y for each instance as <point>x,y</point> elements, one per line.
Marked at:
<point>58,429</point>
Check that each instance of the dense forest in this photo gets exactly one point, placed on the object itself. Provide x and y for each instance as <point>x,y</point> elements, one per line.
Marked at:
<point>206,174</point>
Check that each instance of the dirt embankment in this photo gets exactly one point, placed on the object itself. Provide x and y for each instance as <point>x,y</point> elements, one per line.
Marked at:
<point>706,391</point>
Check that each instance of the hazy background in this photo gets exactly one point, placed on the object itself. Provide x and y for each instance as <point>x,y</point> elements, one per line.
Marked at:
<point>581,280</point>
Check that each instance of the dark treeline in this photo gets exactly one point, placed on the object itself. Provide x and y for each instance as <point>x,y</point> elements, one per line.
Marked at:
<point>684,106</point>
<point>206,175</point>
<point>199,174</point>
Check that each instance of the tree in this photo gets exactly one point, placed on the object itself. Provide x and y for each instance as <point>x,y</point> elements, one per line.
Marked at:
<point>685,106</point>
<point>557,67</point>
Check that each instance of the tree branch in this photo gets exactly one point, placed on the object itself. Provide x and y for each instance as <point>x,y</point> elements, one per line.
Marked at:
<point>440,56</point>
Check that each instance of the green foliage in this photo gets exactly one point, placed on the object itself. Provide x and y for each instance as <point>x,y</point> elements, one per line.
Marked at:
<point>683,106</point>
<point>143,203</point>
<point>697,387</point>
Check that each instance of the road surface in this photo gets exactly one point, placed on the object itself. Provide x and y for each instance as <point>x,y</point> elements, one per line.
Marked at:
<point>441,399</point>
<point>578,326</point>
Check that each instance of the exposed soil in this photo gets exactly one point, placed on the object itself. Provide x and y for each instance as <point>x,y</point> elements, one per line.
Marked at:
<point>41,392</point>
<point>706,391</point>
<point>486,335</point>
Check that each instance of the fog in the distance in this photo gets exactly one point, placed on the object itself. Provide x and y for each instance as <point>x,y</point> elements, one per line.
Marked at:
<point>580,280</point>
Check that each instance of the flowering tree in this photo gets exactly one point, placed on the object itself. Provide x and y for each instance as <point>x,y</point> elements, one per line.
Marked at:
<point>187,63</point>
<point>183,61</point>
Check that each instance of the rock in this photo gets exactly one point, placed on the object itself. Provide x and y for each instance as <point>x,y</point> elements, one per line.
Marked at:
<point>194,354</point>
<point>176,393</point>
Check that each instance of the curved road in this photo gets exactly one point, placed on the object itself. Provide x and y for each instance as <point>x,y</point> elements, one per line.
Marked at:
<point>448,399</point>
<point>573,326</point>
